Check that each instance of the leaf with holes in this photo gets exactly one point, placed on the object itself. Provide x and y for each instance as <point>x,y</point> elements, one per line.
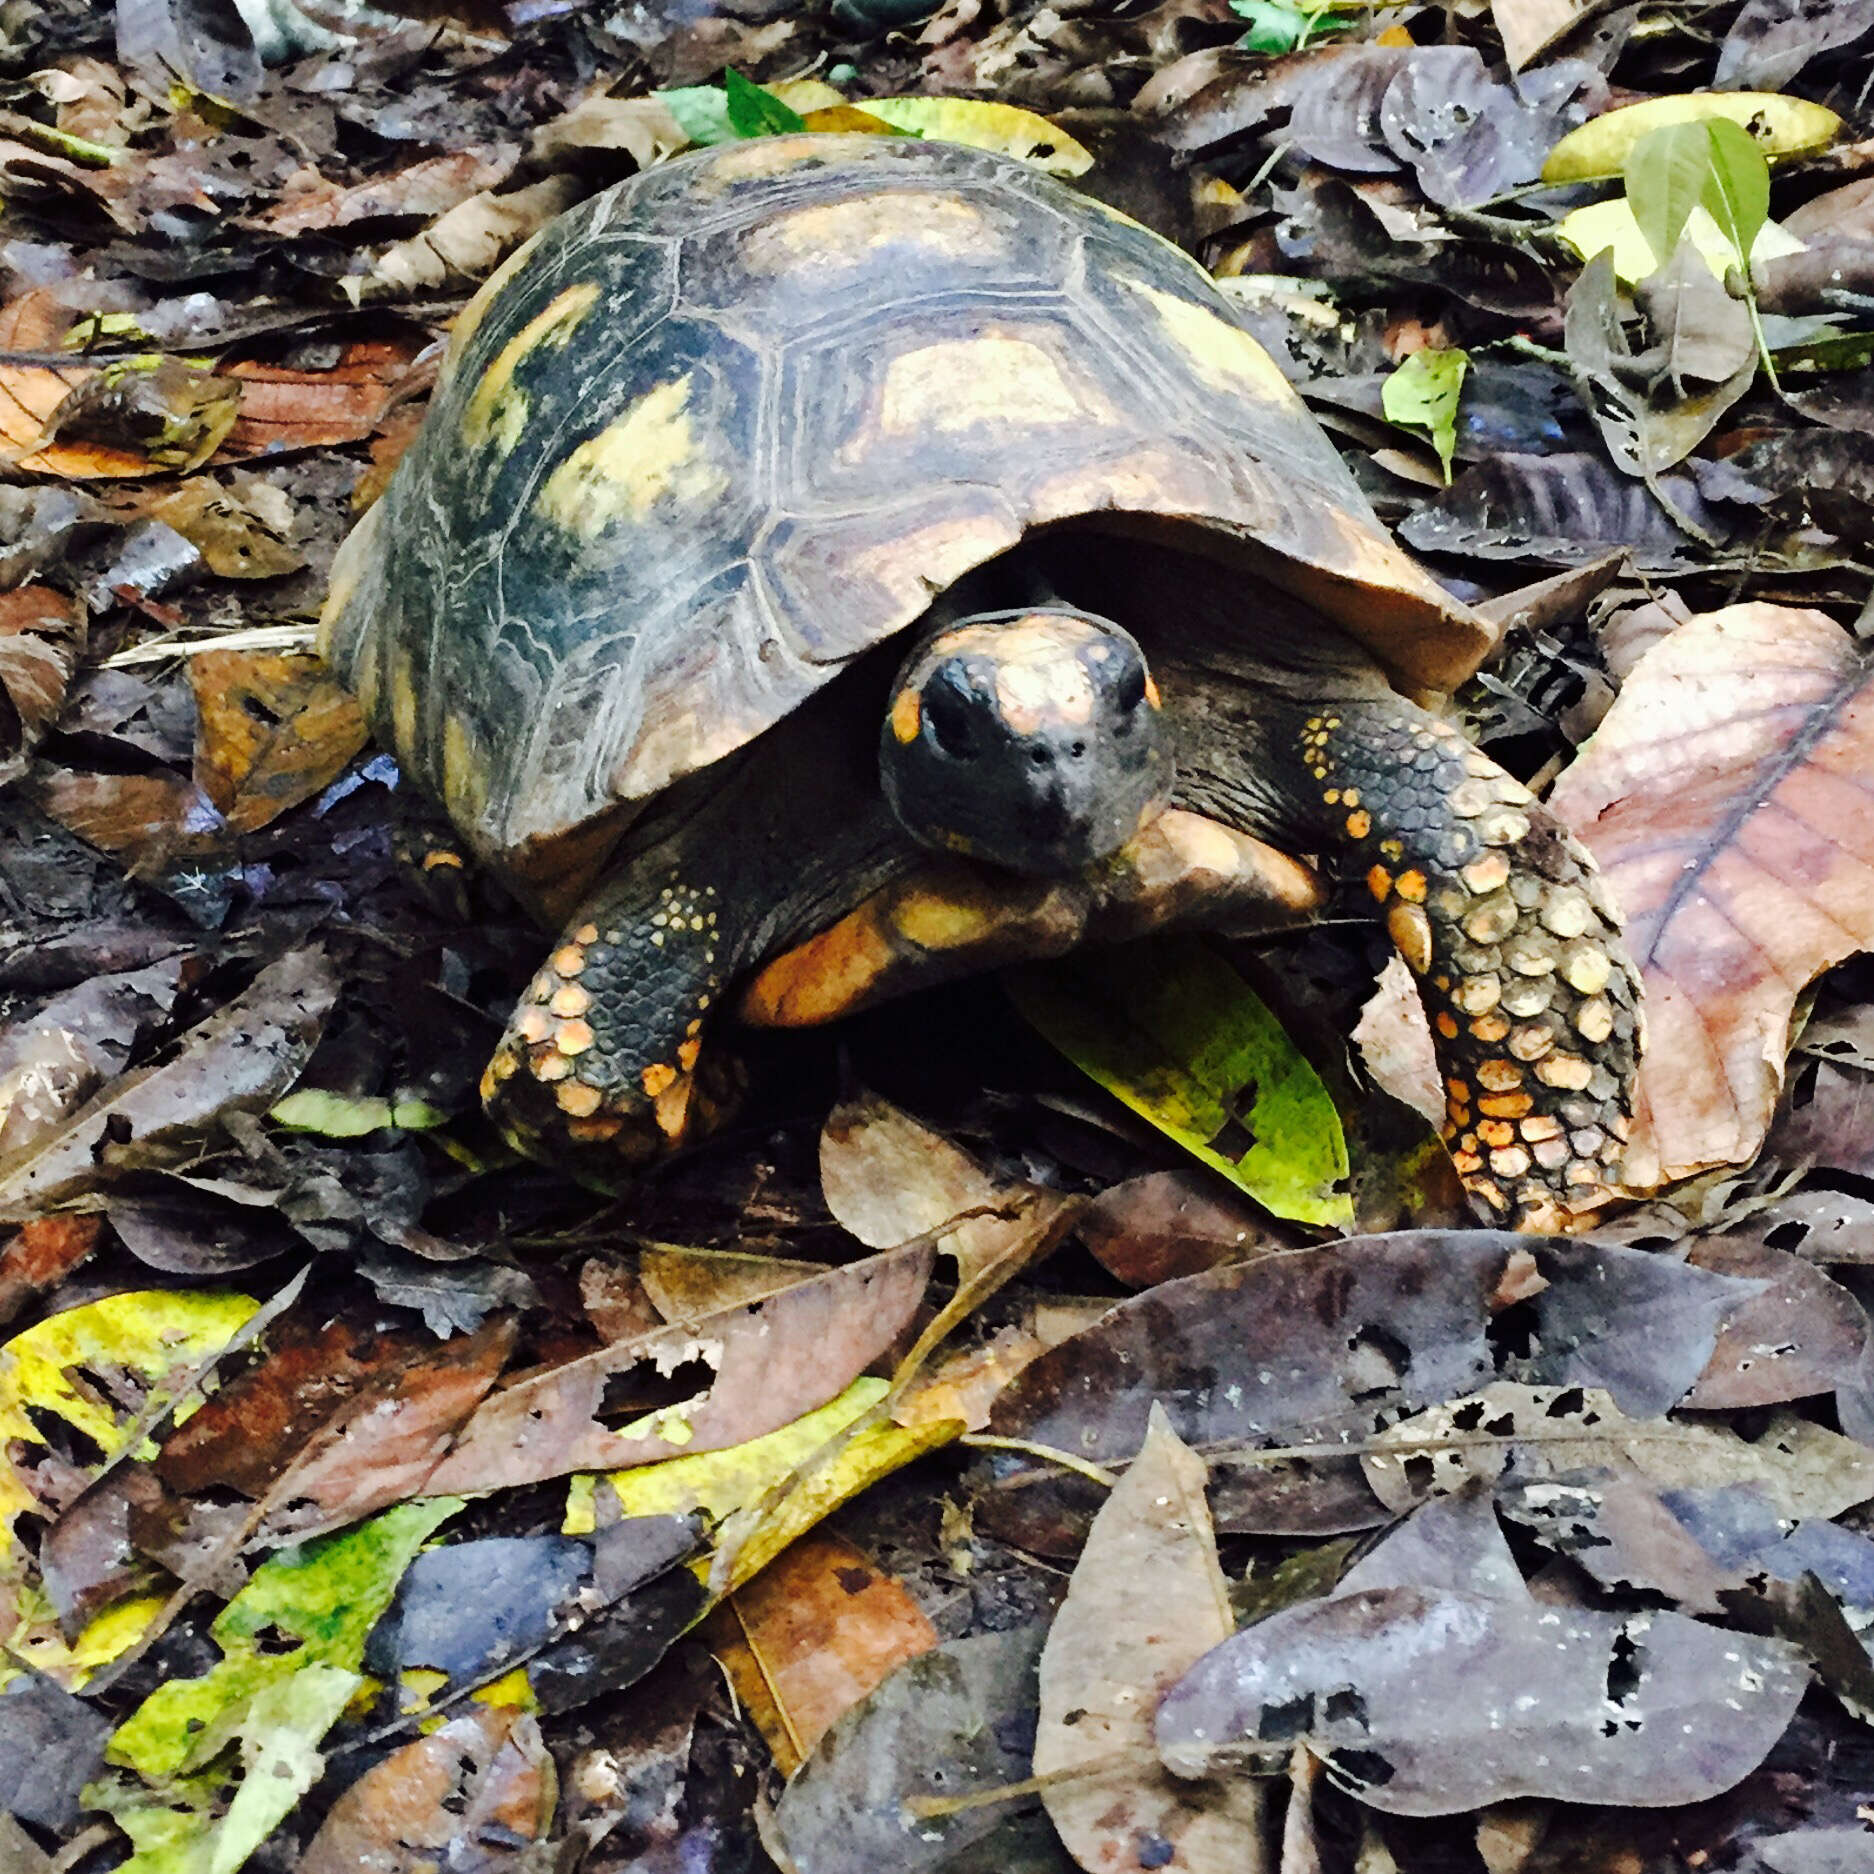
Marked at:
<point>1423,394</point>
<point>1423,1701</point>
<point>1726,797</point>
<point>42,637</point>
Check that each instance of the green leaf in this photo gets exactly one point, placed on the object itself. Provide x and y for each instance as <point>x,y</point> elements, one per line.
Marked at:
<point>1666,174</point>
<point>338,1116</point>
<point>1169,1027</point>
<point>323,1598</point>
<point>1276,26</point>
<point>754,112</point>
<point>701,111</point>
<point>1737,190</point>
<point>1423,394</point>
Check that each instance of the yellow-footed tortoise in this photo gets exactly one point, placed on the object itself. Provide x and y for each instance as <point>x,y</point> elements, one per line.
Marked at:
<point>800,514</point>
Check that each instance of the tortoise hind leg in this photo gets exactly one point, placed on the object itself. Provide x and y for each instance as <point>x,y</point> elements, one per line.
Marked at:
<point>1511,935</point>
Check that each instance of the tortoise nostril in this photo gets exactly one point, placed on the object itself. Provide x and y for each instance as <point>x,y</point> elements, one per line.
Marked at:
<point>1078,750</point>
<point>1041,757</point>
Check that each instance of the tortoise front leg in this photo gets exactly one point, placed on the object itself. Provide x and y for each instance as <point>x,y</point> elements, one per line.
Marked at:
<point>1498,911</point>
<point>602,1067</point>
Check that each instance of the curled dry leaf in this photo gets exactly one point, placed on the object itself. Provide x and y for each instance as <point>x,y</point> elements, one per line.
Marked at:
<point>463,245</point>
<point>1429,1702</point>
<point>284,408</point>
<point>42,637</point>
<point>1726,798</point>
<point>1111,1655</point>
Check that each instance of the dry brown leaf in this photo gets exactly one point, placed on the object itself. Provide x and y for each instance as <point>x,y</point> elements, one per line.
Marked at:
<point>1147,1600</point>
<point>240,532</point>
<point>40,1253</point>
<point>734,1375</point>
<point>430,187</point>
<point>1727,796</point>
<point>287,409</point>
<point>686,1284</point>
<point>464,245</point>
<point>889,1178</point>
<point>1530,27</point>
<point>147,820</point>
<point>275,729</point>
<point>820,1627</point>
<point>642,127</point>
<point>42,637</point>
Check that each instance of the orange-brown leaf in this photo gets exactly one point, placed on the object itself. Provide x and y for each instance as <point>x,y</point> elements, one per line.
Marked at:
<point>287,409</point>
<point>1729,797</point>
<point>822,1628</point>
<point>274,730</point>
<point>42,636</point>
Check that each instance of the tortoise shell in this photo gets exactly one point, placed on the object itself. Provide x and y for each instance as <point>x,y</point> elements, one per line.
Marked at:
<point>724,427</point>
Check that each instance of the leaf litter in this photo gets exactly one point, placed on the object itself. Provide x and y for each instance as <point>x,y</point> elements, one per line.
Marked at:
<point>897,1399</point>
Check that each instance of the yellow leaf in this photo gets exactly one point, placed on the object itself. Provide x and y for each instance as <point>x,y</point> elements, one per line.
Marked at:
<point>718,1482</point>
<point>872,1453</point>
<point>806,95</point>
<point>1004,128</point>
<point>157,1335</point>
<point>1782,126</point>
<point>1611,224</point>
<point>846,120</point>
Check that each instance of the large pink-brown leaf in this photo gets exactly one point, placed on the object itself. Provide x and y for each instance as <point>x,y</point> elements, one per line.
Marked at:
<point>1729,797</point>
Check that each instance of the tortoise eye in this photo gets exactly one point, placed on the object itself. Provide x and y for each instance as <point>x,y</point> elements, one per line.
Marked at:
<point>1132,688</point>
<point>947,716</point>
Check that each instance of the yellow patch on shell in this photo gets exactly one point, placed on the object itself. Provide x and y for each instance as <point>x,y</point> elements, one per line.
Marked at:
<point>469,320</point>
<point>646,455</point>
<point>404,708</point>
<point>836,237</point>
<point>994,381</point>
<point>1223,355</point>
<point>496,412</point>
<point>907,716</point>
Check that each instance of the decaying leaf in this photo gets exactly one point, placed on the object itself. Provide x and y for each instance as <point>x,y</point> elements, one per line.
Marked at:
<point>1545,1433</point>
<point>1110,1657</point>
<point>1725,799</point>
<point>1781,126</point>
<point>1770,41</point>
<point>480,1780</point>
<point>1428,1702</point>
<point>241,1059</point>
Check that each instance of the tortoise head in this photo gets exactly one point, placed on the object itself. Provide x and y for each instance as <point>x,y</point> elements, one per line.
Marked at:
<point>1031,739</point>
